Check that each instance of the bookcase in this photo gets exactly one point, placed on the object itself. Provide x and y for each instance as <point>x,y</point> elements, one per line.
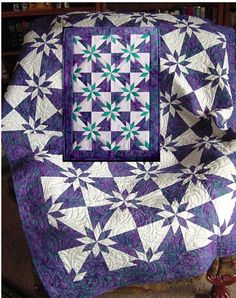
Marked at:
<point>14,23</point>
<point>217,12</point>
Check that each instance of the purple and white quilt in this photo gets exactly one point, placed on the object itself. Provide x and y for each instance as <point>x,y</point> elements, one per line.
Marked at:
<point>96,226</point>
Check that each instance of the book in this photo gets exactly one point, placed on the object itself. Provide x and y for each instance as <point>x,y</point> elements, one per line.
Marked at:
<point>177,12</point>
<point>233,18</point>
<point>203,12</point>
<point>197,11</point>
<point>190,10</point>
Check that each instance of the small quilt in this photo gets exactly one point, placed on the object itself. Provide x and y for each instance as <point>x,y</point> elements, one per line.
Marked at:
<point>111,94</point>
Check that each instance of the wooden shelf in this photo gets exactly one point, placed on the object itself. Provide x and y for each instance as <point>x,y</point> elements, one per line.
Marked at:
<point>11,53</point>
<point>55,11</point>
<point>5,81</point>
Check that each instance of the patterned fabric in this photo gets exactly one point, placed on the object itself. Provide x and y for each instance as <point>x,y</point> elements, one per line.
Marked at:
<point>111,85</point>
<point>96,226</point>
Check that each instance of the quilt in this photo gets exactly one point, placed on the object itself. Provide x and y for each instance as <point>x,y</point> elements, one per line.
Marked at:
<point>111,84</point>
<point>96,226</point>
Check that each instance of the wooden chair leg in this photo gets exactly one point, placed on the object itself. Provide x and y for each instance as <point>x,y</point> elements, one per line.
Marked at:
<point>220,283</point>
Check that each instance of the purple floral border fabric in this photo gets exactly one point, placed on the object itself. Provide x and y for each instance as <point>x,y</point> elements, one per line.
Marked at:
<point>96,226</point>
<point>111,94</point>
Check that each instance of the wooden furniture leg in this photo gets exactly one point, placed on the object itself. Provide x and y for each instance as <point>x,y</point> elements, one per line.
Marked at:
<point>220,283</point>
<point>222,274</point>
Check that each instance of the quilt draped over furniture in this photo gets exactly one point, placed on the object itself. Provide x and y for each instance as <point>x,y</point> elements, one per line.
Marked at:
<point>96,226</point>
